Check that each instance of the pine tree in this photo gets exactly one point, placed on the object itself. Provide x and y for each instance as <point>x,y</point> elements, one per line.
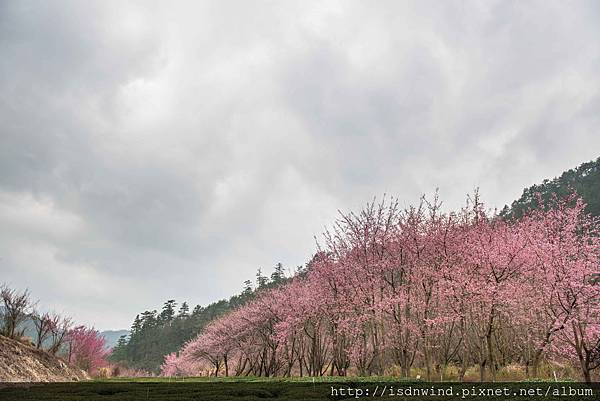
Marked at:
<point>278,275</point>
<point>183,310</point>
<point>136,325</point>
<point>261,280</point>
<point>119,352</point>
<point>148,319</point>
<point>247,287</point>
<point>168,311</point>
<point>197,310</point>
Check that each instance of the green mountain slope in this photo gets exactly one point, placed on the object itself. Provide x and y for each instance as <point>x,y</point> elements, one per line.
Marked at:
<point>585,180</point>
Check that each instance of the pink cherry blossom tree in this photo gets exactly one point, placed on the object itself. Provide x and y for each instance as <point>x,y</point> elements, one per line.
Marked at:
<point>87,349</point>
<point>419,286</point>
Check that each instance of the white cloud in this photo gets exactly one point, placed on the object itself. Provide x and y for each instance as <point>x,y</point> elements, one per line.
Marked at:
<point>156,150</point>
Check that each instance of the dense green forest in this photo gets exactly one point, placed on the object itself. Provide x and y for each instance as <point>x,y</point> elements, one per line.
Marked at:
<point>585,180</point>
<point>155,334</point>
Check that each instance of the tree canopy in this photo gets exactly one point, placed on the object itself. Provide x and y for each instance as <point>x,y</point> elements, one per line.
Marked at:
<point>584,180</point>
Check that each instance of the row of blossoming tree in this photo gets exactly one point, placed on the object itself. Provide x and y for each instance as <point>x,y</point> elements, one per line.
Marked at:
<point>419,287</point>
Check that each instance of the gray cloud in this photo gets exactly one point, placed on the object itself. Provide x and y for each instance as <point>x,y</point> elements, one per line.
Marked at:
<point>157,150</point>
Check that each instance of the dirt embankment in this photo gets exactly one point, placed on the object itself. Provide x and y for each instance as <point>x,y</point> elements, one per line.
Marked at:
<point>22,363</point>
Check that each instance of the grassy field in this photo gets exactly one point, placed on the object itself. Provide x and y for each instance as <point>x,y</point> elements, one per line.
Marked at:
<point>211,389</point>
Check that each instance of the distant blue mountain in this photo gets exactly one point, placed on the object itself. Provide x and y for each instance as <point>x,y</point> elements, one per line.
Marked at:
<point>112,336</point>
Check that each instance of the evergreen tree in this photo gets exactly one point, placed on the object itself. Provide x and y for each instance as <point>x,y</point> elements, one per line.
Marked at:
<point>183,310</point>
<point>278,275</point>
<point>136,326</point>
<point>197,310</point>
<point>119,352</point>
<point>261,281</point>
<point>247,287</point>
<point>149,319</point>
<point>168,311</point>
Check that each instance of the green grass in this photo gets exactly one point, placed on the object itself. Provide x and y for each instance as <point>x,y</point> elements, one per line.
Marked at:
<point>247,389</point>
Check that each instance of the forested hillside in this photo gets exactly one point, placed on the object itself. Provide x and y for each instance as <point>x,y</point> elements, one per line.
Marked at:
<point>155,334</point>
<point>585,180</point>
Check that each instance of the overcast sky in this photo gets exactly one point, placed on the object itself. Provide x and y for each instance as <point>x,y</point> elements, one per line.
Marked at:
<point>151,151</point>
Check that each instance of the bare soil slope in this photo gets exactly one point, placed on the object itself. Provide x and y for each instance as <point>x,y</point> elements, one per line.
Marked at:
<point>22,363</point>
